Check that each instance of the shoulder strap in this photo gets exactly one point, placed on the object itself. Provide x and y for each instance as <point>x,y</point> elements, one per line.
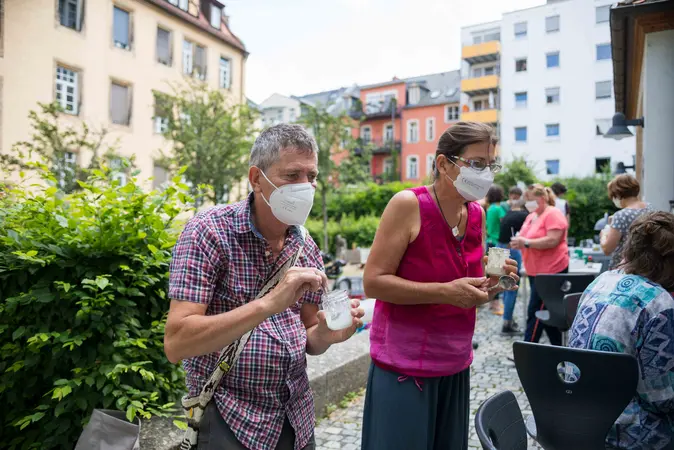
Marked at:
<point>230,354</point>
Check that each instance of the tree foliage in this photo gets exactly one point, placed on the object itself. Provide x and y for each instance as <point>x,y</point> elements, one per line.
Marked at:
<point>517,170</point>
<point>210,135</point>
<point>52,142</point>
<point>83,281</point>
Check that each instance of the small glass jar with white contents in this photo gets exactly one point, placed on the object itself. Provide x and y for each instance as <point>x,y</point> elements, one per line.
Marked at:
<point>337,307</point>
<point>496,259</point>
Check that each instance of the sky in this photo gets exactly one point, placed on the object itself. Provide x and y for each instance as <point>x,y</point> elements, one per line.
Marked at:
<point>300,47</point>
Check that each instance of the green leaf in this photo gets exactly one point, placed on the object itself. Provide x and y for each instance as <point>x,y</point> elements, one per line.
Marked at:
<point>18,333</point>
<point>142,235</point>
<point>61,220</point>
<point>152,248</point>
<point>31,253</point>
<point>60,382</point>
<point>180,424</point>
<point>102,283</point>
<point>130,413</point>
<point>81,403</point>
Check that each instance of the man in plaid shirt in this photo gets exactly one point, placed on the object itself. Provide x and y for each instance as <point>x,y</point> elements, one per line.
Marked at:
<point>222,260</point>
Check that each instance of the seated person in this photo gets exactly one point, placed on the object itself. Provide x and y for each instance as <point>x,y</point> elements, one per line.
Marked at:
<point>630,310</point>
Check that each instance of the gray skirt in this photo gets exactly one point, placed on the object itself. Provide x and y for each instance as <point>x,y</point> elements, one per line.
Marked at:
<point>407,413</point>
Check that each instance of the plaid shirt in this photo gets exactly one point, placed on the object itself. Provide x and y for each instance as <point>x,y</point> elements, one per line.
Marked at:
<point>222,261</point>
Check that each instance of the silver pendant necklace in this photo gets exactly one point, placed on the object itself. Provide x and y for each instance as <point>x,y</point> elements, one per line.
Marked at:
<point>455,230</point>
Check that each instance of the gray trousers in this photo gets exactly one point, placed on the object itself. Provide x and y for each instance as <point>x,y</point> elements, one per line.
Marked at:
<point>403,413</point>
<point>215,434</point>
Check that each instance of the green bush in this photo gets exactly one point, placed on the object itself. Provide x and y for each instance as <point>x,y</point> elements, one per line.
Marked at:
<point>366,200</point>
<point>589,202</point>
<point>359,231</point>
<point>83,281</point>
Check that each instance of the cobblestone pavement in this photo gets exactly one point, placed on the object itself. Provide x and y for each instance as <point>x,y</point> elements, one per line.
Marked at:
<point>491,373</point>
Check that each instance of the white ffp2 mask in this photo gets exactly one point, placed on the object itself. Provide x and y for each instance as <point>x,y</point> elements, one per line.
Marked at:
<point>291,203</point>
<point>472,184</point>
<point>531,205</point>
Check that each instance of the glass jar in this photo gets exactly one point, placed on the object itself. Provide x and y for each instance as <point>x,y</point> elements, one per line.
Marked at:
<point>496,260</point>
<point>337,307</point>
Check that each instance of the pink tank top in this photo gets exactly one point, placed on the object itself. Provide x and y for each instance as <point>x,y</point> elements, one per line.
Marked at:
<point>435,339</point>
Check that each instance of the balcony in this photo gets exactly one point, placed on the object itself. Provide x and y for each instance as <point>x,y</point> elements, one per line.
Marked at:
<point>379,146</point>
<point>485,116</point>
<point>487,51</point>
<point>480,86</point>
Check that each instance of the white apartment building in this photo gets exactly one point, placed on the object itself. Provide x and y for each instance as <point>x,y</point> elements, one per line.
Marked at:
<point>556,84</point>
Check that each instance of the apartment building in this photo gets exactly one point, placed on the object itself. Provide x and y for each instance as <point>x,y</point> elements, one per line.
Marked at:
<point>480,71</point>
<point>105,61</point>
<point>403,120</point>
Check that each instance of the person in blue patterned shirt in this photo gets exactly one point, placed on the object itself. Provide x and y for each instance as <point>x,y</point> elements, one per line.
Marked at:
<point>630,310</point>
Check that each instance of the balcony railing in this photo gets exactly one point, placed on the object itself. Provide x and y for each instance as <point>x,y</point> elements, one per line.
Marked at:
<point>480,85</point>
<point>477,53</point>
<point>484,115</point>
<point>378,146</point>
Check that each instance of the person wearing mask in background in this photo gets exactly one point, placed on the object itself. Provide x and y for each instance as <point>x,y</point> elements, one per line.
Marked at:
<point>632,311</point>
<point>224,257</point>
<point>510,225</point>
<point>560,202</point>
<point>514,195</point>
<point>542,240</point>
<point>426,271</point>
<point>624,191</point>
<point>495,212</point>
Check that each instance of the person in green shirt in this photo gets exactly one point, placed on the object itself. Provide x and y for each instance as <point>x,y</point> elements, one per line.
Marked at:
<point>495,212</point>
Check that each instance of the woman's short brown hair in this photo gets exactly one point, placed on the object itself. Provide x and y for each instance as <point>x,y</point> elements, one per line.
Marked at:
<point>456,138</point>
<point>623,186</point>
<point>649,250</point>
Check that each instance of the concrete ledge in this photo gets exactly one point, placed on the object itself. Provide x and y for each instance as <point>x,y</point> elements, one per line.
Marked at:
<point>332,375</point>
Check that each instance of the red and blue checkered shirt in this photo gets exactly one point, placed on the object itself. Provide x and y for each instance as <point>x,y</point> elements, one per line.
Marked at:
<point>222,261</point>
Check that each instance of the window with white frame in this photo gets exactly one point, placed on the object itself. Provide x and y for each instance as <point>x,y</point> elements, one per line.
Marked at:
<point>602,13</point>
<point>521,65</point>
<point>430,160</point>
<point>412,131</point>
<point>67,90</point>
<point>164,48</point>
<point>552,24</point>
<point>118,171</point>
<point>366,134</point>
<point>520,29</point>
<point>216,16</point>
<point>552,96</point>
<point>414,95</point>
<point>225,73</point>
<point>194,60</point>
<point>521,99</point>
<point>346,137</point>
<point>388,166</point>
<point>376,102</point>
<point>477,72</point>
<point>451,113</point>
<point>603,90</point>
<point>70,14</point>
<point>120,103</point>
<point>121,28</point>
<point>292,115</point>
<point>430,129</point>
<point>602,126</point>
<point>388,132</point>
<point>412,167</point>
<point>162,110</point>
<point>64,168</point>
<point>182,4</point>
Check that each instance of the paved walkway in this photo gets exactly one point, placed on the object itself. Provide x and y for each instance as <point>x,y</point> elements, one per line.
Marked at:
<point>491,373</point>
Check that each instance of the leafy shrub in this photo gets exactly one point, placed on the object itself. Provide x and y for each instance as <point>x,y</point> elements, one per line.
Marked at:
<point>589,202</point>
<point>83,283</point>
<point>364,200</point>
<point>359,231</point>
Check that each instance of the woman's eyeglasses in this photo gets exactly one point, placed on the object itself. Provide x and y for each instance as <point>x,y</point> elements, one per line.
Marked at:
<point>479,164</point>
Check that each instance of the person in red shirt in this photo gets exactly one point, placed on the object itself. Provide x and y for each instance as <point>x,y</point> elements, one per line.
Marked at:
<point>542,240</point>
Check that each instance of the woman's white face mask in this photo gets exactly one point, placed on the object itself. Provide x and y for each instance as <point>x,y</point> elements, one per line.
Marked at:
<point>472,184</point>
<point>618,203</point>
<point>531,205</point>
<point>291,203</point>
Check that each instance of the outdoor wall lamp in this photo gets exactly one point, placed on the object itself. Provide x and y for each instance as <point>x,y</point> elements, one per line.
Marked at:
<point>619,129</point>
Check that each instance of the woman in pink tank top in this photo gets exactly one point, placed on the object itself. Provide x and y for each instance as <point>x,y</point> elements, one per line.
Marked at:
<point>426,270</point>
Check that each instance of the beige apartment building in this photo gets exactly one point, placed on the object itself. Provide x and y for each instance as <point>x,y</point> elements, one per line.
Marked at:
<point>104,60</point>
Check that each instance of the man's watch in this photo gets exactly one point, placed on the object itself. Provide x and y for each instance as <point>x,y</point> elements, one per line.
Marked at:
<point>526,243</point>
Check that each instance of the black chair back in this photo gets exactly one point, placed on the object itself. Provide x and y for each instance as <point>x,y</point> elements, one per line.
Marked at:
<point>571,306</point>
<point>499,423</point>
<point>553,288</point>
<point>575,395</point>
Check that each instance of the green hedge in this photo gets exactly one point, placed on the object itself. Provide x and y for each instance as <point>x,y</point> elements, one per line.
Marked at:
<point>83,281</point>
<point>367,200</point>
<point>589,202</point>
<point>359,230</point>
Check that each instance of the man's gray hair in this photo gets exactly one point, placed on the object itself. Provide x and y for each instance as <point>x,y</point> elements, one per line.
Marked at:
<point>268,145</point>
